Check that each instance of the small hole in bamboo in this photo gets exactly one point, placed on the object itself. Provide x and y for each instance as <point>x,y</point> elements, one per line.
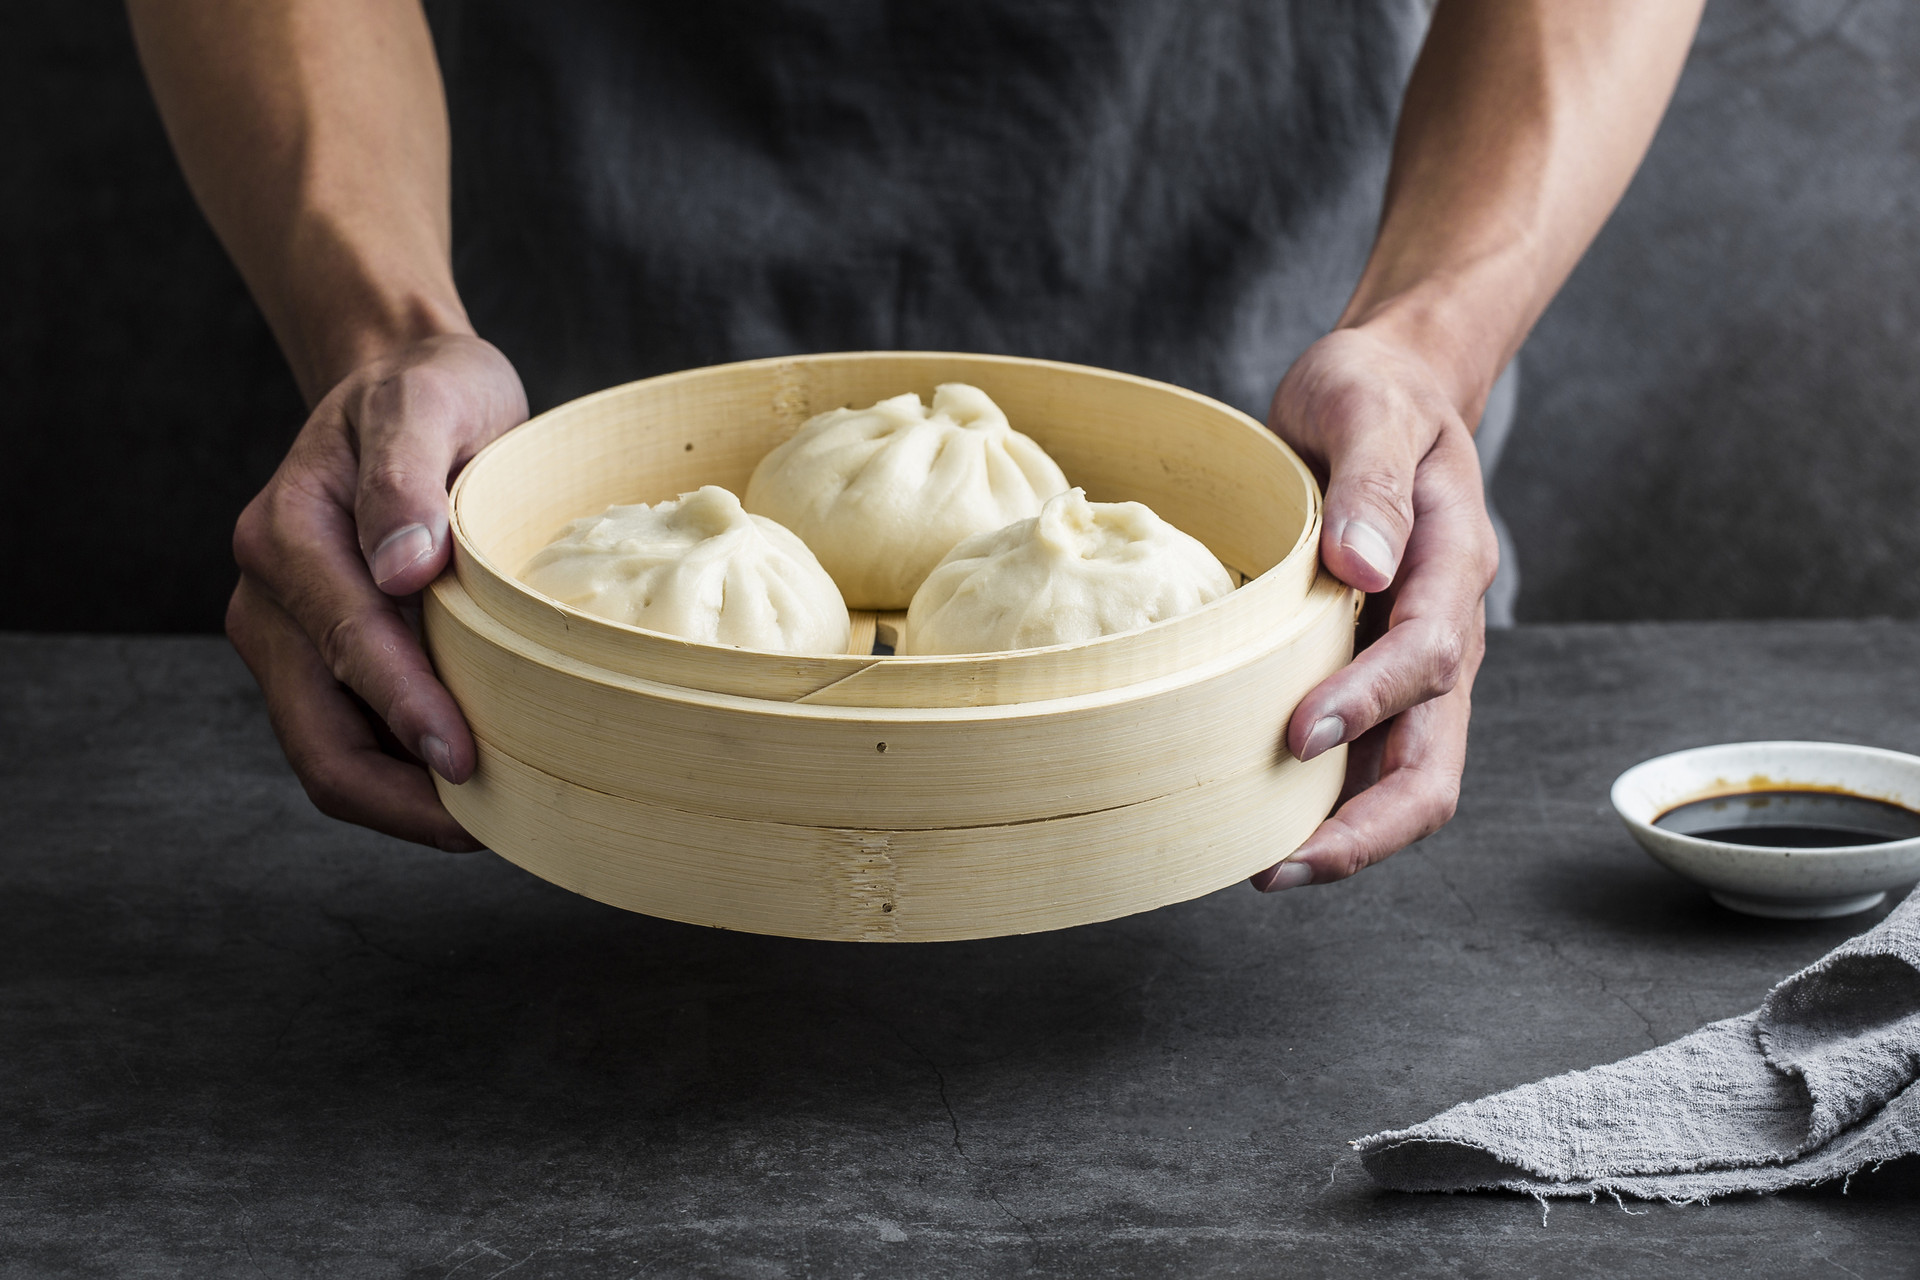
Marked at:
<point>689,447</point>
<point>886,906</point>
<point>881,747</point>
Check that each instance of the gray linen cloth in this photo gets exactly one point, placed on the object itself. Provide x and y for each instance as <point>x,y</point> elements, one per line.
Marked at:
<point>1816,1084</point>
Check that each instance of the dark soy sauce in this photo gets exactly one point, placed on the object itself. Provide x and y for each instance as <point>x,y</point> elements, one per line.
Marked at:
<point>1792,820</point>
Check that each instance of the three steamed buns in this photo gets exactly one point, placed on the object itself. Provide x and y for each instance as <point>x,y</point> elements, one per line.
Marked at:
<point>942,509</point>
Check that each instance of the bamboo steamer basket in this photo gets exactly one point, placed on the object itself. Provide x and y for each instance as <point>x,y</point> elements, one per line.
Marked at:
<point>868,798</point>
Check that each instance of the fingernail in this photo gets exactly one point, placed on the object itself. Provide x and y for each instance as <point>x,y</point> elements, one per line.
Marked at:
<point>1324,736</point>
<point>401,550</point>
<point>434,751</point>
<point>1288,875</point>
<point>1366,542</point>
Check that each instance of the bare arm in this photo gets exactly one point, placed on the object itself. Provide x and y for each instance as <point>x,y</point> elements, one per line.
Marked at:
<point>314,135</point>
<point>1521,126</point>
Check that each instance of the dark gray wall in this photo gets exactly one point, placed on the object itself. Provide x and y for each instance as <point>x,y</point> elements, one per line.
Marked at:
<point>1719,418</point>
<point>142,400</point>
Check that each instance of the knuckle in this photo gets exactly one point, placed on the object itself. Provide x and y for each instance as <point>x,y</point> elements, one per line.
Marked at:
<point>1368,400</point>
<point>1370,705</point>
<point>253,534</point>
<point>1381,490</point>
<point>239,621</point>
<point>1345,400</point>
<point>411,392</point>
<point>1487,568</point>
<point>325,787</point>
<point>1447,658</point>
<point>388,477</point>
<point>1350,862</point>
<point>340,644</point>
<point>1455,441</point>
<point>1438,805</point>
<point>1486,554</point>
<point>1476,646</point>
<point>267,526</point>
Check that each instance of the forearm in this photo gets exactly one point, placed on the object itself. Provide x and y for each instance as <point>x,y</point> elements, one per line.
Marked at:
<point>314,135</point>
<point>1522,124</point>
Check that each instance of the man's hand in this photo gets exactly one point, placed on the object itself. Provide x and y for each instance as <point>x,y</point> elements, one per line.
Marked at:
<point>351,526</point>
<point>314,135</point>
<point>1521,125</point>
<point>1406,522</point>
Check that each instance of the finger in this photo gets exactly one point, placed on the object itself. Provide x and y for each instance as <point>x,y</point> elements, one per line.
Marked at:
<point>1369,438</point>
<point>1424,753</point>
<point>414,429</point>
<point>1435,630</point>
<point>1369,515</point>
<point>330,744</point>
<point>1420,659</point>
<point>1364,755</point>
<point>299,546</point>
<point>1365,412</point>
<point>1453,555</point>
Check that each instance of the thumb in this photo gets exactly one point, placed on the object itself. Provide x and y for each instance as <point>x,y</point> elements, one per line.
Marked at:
<point>1369,510</point>
<point>415,427</point>
<point>407,450</point>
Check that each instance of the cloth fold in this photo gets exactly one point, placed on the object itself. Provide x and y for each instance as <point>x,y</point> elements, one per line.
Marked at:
<point>1819,1082</point>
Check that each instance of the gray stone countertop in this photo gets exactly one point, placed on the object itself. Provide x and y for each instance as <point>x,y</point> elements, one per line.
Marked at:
<point>238,1039</point>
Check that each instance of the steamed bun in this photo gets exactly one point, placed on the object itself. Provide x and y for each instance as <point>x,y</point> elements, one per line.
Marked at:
<point>699,567</point>
<point>881,494</point>
<point>1077,571</point>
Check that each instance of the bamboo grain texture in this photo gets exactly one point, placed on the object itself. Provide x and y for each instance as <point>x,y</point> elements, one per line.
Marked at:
<point>852,885</point>
<point>889,767</point>
<point>879,798</point>
<point>1211,471</point>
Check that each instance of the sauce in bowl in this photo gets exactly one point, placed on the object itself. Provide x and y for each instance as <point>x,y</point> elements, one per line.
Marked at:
<point>1784,818</point>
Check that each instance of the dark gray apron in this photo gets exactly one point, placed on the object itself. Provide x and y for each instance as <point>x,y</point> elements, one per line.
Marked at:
<point>1175,188</point>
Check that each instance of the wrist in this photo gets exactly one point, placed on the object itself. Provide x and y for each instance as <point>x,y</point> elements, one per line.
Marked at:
<point>325,347</point>
<point>351,298</point>
<point>1464,350</point>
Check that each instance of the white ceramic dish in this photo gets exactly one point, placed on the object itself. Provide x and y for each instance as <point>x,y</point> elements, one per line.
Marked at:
<point>1782,883</point>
